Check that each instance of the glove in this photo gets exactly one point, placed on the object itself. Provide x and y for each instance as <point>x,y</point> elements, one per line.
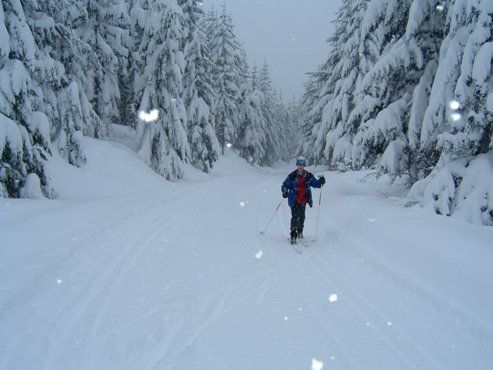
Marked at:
<point>321,179</point>
<point>285,192</point>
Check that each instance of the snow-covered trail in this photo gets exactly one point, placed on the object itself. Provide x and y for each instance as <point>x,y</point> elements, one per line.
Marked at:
<point>180,278</point>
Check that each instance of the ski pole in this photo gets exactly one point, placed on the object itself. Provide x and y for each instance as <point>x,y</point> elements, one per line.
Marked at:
<point>318,213</point>
<point>266,226</point>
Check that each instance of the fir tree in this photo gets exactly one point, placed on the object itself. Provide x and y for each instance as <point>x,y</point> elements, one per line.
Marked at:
<point>251,140</point>
<point>271,129</point>
<point>225,53</point>
<point>388,105</point>
<point>198,90</point>
<point>74,116</point>
<point>164,144</point>
<point>331,121</point>
<point>457,123</point>
<point>24,127</point>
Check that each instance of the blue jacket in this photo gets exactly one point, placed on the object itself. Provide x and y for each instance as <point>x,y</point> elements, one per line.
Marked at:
<point>290,185</point>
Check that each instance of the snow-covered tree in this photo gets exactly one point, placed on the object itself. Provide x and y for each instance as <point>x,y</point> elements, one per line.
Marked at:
<point>266,128</point>
<point>199,93</point>
<point>293,133</point>
<point>384,90</point>
<point>164,144</point>
<point>457,123</point>
<point>61,76</point>
<point>285,118</point>
<point>330,122</point>
<point>272,127</point>
<point>463,78</point>
<point>251,139</point>
<point>99,28</point>
<point>311,116</point>
<point>24,127</point>
<point>73,68</point>
<point>226,57</point>
<point>388,105</point>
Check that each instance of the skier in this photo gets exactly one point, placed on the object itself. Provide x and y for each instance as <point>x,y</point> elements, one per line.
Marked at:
<point>296,188</point>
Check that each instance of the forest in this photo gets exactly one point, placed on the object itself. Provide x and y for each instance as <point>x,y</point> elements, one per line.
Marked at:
<point>405,91</point>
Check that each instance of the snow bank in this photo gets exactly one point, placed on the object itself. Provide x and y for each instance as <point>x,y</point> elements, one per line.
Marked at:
<point>9,135</point>
<point>111,169</point>
<point>32,187</point>
<point>463,189</point>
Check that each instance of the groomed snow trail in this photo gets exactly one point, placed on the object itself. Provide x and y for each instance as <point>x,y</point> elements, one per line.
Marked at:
<point>180,278</point>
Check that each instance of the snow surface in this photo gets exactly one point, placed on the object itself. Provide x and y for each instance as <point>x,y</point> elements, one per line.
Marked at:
<point>127,271</point>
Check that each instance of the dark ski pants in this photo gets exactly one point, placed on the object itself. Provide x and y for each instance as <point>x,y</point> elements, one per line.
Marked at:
<point>297,219</point>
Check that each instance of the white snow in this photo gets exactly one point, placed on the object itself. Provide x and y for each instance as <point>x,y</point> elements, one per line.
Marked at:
<point>4,35</point>
<point>317,365</point>
<point>9,134</point>
<point>127,271</point>
<point>152,116</point>
<point>456,116</point>
<point>32,187</point>
<point>454,105</point>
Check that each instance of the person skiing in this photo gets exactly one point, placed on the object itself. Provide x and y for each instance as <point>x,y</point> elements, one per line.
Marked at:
<point>297,188</point>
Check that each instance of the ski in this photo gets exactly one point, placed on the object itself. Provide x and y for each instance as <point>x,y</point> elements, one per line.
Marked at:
<point>295,246</point>
<point>304,243</point>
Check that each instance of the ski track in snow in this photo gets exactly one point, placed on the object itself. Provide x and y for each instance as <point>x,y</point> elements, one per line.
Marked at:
<point>168,280</point>
<point>358,305</point>
<point>409,300</point>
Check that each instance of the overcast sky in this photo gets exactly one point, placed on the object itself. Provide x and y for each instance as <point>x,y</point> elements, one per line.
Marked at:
<point>290,34</point>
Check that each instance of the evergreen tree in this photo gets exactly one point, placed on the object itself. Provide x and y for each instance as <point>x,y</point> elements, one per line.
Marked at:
<point>72,68</point>
<point>465,57</point>
<point>332,120</point>
<point>381,95</point>
<point>382,99</point>
<point>70,113</point>
<point>457,123</point>
<point>198,90</point>
<point>251,140</point>
<point>24,127</point>
<point>284,122</point>
<point>225,55</point>
<point>293,133</point>
<point>272,129</point>
<point>100,29</point>
<point>311,116</point>
<point>164,144</point>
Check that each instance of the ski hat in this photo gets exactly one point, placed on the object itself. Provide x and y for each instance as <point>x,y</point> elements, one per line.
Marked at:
<point>301,161</point>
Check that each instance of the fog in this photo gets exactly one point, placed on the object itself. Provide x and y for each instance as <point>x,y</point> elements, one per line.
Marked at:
<point>291,35</point>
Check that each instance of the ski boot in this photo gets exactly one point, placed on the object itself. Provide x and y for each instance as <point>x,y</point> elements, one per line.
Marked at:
<point>294,235</point>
